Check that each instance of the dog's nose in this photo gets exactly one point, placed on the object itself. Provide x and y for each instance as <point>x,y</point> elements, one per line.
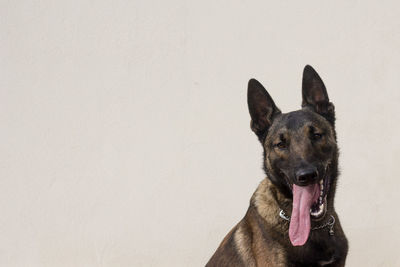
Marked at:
<point>306,176</point>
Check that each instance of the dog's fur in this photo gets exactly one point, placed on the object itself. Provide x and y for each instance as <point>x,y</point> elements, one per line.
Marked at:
<point>301,139</point>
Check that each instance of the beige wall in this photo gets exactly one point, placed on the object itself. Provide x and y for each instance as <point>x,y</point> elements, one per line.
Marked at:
<point>125,135</point>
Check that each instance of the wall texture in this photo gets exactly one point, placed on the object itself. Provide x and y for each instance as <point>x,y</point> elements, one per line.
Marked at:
<point>125,136</point>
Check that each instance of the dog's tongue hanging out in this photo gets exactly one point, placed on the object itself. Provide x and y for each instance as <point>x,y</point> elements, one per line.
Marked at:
<point>300,222</point>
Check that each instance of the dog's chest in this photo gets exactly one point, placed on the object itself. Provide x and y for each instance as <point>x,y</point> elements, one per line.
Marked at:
<point>321,253</point>
<point>324,263</point>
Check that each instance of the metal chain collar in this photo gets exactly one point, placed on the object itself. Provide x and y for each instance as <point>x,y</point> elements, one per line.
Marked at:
<point>329,223</point>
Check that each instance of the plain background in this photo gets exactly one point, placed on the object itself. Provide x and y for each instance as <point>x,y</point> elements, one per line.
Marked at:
<point>125,136</point>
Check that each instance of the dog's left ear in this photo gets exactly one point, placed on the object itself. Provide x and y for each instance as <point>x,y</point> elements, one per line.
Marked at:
<point>261,107</point>
<point>315,95</point>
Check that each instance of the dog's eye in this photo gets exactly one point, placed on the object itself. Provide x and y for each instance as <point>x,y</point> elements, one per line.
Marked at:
<point>281,145</point>
<point>316,136</point>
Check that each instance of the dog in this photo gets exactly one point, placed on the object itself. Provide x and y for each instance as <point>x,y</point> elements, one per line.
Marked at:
<point>291,219</point>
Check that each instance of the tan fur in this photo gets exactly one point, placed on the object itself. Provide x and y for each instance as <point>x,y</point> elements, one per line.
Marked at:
<point>246,238</point>
<point>243,246</point>
<point>266,199</point>
<point>265,204</point>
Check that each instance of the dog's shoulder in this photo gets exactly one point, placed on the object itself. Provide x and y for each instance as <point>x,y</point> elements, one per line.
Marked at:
<point>235,248</point>
<point>252,242</point>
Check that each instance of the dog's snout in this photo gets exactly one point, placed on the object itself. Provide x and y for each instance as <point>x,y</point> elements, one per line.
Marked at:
<point>306,176</point>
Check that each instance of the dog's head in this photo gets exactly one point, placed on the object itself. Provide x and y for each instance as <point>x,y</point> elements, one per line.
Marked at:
<point>300,151</point>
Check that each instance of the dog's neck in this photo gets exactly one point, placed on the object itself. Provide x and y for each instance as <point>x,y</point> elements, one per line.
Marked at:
<point>269,201</point>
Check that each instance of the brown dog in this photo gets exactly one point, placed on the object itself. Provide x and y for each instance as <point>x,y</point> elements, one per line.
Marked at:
<point>291,220</point>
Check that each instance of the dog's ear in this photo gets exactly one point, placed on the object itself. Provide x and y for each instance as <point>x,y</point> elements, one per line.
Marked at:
<point>261,107</point>
<point>315,95</point>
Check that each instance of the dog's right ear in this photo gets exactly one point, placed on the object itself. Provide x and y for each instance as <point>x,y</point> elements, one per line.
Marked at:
<point>261,107</point>
<point>315,95</point>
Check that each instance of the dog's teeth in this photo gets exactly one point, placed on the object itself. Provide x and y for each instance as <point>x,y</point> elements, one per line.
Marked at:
<point>319,211</point>
<point>321,186</point>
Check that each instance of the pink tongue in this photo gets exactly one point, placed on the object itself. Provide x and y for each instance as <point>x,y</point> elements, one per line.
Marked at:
<point>303,197</point>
